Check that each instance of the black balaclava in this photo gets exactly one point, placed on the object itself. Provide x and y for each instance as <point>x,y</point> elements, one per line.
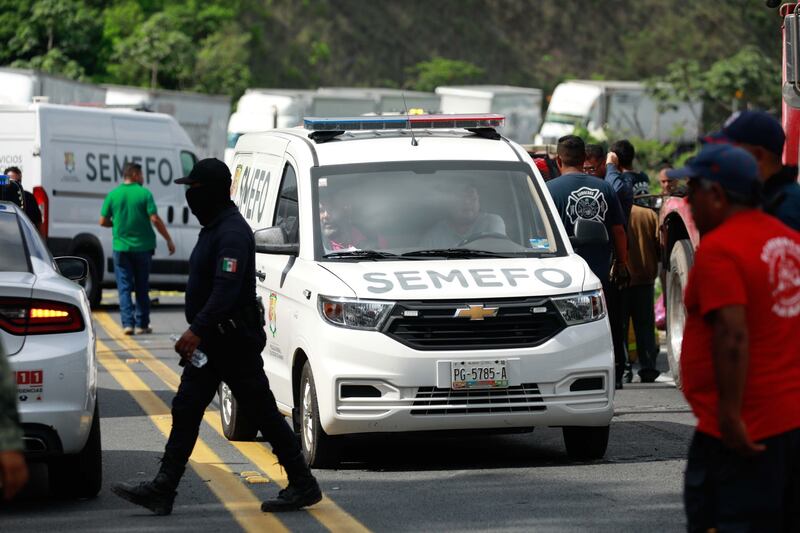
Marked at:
<point>207,201</point>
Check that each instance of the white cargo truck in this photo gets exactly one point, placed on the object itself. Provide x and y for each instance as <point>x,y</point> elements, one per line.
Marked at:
<point>22,86</point>
<point>391,101</point>
<point>71,157</point>
<point>203,116</point>
<point>522,106</point>
<point>266,109</point>
<point>623,108</point>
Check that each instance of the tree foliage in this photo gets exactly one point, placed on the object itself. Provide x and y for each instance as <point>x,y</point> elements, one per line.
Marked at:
<point>226,45</point>
<point>747,79</point>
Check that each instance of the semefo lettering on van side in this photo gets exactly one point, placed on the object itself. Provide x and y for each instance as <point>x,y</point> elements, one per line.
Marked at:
<point>253,193</point>
<point>108,167</point>
<point>418,280</point>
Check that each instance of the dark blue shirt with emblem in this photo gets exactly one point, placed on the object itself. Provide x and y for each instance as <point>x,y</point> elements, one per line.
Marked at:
<point>579,195</point>
<point>221,273</point>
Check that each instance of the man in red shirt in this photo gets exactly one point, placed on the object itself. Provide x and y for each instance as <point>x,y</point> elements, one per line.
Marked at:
<point>740,359</point>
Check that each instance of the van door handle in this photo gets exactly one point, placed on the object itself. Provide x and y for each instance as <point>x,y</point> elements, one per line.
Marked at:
<point>185,215</point>
<point>261,275</point>
<point>170,214</point>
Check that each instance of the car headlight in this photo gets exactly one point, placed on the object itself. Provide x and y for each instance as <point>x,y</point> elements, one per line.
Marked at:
<point>581,308</point>
<point>353,313</point>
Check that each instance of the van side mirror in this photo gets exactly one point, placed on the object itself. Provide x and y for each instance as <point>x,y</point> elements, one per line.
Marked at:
<point>273,241</point>
<point>74,268</point>
<point>589,232</point>
<point>791,43</point>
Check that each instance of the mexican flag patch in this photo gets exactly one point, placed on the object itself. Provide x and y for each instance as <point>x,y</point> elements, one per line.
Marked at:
<point>229,264</point>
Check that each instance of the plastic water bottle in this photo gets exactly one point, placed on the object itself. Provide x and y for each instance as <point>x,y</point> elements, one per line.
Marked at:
<point>199,359</point>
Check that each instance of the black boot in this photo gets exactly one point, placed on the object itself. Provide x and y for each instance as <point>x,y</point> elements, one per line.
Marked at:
<point>302,490</point>
<point>157,495</point>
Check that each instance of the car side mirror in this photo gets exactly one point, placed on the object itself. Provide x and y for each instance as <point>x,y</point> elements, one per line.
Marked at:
<point>589,232</point>
<point>74,268</point>
<point>273,241</point>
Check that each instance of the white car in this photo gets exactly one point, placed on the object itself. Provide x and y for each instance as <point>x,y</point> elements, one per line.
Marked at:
<point>46,329</point>
<point>418,278</point>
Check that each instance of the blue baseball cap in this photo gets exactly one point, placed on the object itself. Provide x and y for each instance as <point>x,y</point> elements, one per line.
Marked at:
<point>758,128</point>
<point>730,166</point>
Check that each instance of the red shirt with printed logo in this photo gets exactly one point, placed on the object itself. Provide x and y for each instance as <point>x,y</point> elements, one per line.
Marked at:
<point>753,260</point>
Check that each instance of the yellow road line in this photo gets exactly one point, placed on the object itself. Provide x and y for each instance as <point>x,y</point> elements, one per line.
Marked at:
<point>327,512</point>
<point>243,505</point>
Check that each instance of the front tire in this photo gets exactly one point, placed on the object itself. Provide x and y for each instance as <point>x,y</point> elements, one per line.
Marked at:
<point>586,443</point>
<point>235,425</point>
<point>680,261</point>
<point>81,474</point>
<point>320,449</point>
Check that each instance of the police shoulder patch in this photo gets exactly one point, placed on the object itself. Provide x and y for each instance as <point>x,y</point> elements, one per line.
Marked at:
<point>229,264</point>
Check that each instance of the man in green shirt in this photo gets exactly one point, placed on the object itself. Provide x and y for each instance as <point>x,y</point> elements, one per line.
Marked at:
<point>131,211</point>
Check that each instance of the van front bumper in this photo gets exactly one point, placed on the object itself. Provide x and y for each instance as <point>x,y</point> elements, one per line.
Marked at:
<point>367,382</point>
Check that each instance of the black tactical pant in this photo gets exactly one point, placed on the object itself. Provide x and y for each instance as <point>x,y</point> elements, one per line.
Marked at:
<point>732,493</point>
<point>615,308</point>
<point>236,360</point>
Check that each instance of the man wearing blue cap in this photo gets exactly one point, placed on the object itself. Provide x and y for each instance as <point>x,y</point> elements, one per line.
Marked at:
<point>740,359</point>
<point>762,136</point>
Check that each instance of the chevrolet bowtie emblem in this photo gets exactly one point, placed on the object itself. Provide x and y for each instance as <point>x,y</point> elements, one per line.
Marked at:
<point>475,312</point>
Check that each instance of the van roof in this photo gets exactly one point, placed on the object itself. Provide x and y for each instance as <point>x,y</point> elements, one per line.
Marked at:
<point>92,122</point>
<point>355,147</point>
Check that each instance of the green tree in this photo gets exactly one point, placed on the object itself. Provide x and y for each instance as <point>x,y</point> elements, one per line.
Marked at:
<point>222,62</point>
<point>156,54</point>
<point>427,75</point>
<point>748,79</point>
<point>57,36</point>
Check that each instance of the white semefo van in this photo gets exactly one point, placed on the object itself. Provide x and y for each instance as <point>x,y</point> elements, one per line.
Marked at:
<point>419,283</point>
<point>71,157</point>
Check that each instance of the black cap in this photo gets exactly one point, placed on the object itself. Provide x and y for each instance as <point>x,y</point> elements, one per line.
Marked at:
<point>758,128</point>
<point>211,172</point>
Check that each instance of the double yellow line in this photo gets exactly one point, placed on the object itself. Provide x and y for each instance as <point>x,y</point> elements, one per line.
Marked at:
<point>237,498</point>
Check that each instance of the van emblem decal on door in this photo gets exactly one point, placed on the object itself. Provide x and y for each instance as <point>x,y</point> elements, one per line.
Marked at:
<point>272,314</point>
<point>69,162</point>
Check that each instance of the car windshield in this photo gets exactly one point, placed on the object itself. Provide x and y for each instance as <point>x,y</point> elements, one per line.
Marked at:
<point>14,258</point>
<point>431,210</point>
<point>564,118</point>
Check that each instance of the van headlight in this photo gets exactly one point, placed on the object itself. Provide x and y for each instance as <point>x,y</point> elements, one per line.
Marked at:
<point>581,308</point>
<point>353,313</point>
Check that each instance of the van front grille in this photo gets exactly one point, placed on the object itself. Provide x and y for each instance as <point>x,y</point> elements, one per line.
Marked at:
<point>524,398</point>
<point>436,326</point>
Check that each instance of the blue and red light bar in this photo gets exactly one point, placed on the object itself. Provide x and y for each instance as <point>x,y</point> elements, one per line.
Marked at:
<point>397,122</point>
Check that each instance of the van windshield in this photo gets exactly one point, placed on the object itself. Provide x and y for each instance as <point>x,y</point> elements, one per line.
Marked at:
<point>431,210</point>
<point>564,118</point>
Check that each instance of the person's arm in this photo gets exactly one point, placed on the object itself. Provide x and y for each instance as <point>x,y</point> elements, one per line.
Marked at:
<point>162,230</point>
<point>105,213</point>
<point>731,356</point>
<point>620,244</point>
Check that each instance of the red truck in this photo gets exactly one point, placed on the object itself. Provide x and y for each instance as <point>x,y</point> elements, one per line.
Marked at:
<point>679,236</point>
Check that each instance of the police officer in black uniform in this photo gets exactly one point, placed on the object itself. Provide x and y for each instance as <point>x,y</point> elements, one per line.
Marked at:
<point>226,323</point>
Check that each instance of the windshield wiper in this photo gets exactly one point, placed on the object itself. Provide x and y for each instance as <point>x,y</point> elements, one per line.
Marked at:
<point>360,254</point>
<point>452,253</point>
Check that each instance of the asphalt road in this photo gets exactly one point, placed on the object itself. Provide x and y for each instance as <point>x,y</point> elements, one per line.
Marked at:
<point>500,483</point>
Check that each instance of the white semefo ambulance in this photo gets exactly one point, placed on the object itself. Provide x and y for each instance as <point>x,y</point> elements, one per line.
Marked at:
<point>71,157</point>
<point>418,278</point>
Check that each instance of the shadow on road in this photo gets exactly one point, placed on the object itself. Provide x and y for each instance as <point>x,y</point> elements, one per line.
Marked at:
<point>630,442</point>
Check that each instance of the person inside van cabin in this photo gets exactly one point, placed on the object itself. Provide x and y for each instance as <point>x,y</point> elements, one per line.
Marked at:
<point>30,206</point>
<point>336,224</point>
<point>464,219</point>
<point>131,211</point>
